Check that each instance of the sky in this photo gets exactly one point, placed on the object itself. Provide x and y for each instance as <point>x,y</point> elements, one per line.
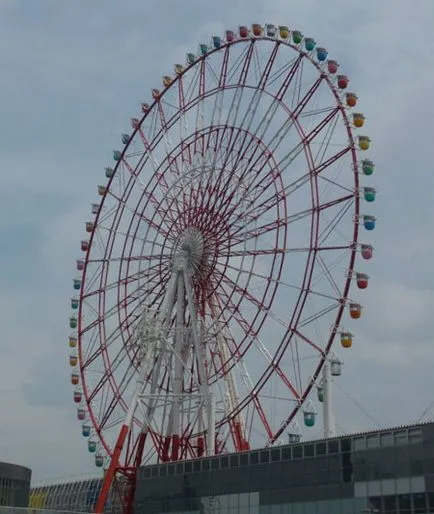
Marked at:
<point>74,72</point>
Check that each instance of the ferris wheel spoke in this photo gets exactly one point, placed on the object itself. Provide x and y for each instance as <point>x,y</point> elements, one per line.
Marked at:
<point>157,227</point>
<point>307,321</point>
<point>183,127</point>
<point>268,227</point>
<point>105,379</point>
<point>300,147</point>
<point>265,122</point>
<point>271,361</point>
<point>234,109</point>
<point>327,231</point>
<point>130,278</point>
<point>130,258</point>
<point>162,183</point>
<point>328,275</point>
<point>92,279</point>
<point>126,301</point>
<point>243,293</point>
<point>282,283</point>
<point>272,251</point>
<point>241,65</point>
<point>304,179</point>
<point>308,341</point>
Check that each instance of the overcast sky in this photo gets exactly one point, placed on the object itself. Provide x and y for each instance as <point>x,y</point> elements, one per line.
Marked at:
<point>74,72</point>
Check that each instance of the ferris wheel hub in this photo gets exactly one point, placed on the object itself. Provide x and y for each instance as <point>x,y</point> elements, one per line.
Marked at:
<point>194,250</point>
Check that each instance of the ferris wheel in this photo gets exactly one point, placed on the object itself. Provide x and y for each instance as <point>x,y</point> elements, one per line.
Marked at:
<point>217,269</point>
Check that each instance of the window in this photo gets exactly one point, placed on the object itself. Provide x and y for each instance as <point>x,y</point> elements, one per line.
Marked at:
<point>265,456</point>
<point>345,445</point>
<point>415,435</point>
<point>206,465</point>
<point>224,462</point>
<point>244,459</point>
<point>163,471</point>
<point>171,469</point>
<point>372,441</point>
<point>333,447</point>
<point>309,450</point>
<point>401,438</point>
<point>233,461</point>
<point>286,453</point>
<point>254,458</point>
<point>321,448</point>
<point>275,455</point>
<point>154,471</point>
<point>297,452</point>
<point>180,468</point>
<point>386,439</point>
<point>188,467</point>
<point>404,503</point>
<point>359,443</point>
<point>419,503</point>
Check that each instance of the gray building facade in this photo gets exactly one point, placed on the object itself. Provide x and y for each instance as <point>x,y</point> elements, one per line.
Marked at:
<point>14,485</point>
<point>387,471</point>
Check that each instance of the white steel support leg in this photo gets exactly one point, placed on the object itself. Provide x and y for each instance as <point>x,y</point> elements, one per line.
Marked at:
<point>178,366</point>
<point>210,446</point>
<point>329,425</point>
<point>207,400</point>
<point>159,347</point>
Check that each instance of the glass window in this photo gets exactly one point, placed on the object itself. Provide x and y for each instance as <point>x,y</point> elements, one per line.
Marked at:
<point>171,469</point>
<point>419,503</point>
<point>206,465</point>
<point>275,454</point>
<point>286,453</point>
<point>244,459</point>
<point>414,435</point>
<point>297,452</point>
<point>265,456</point>
<point>309,450</point>
<point>372,441</point>
<point>401,437</point>
<point>321,448</point>
<point>345,445</point>
<point>386,439</point>
<point>404,503</point>
<point>180,468</point>
<point>224,462</point>
<point>233,461</point>
<point>147,472</point>
<point>359,443</point>
<point>188,467</point>
<point>254,458</point>
<point>163,471</point>
<point>375,503</point>
<point>196,466</point>
<point>333,447</point>
<point>154,471</point>
<point>214,464</point>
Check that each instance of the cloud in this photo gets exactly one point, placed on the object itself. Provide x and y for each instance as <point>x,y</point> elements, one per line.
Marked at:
<point>76,73</point>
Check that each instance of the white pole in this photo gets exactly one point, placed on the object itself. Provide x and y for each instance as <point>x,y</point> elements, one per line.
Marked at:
<point>329,425</point>
<point>210,446</point>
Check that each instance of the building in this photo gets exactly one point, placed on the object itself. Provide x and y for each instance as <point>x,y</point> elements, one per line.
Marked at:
<point>390,471</point>
<point>14,485</point>
<point>75,496</point>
